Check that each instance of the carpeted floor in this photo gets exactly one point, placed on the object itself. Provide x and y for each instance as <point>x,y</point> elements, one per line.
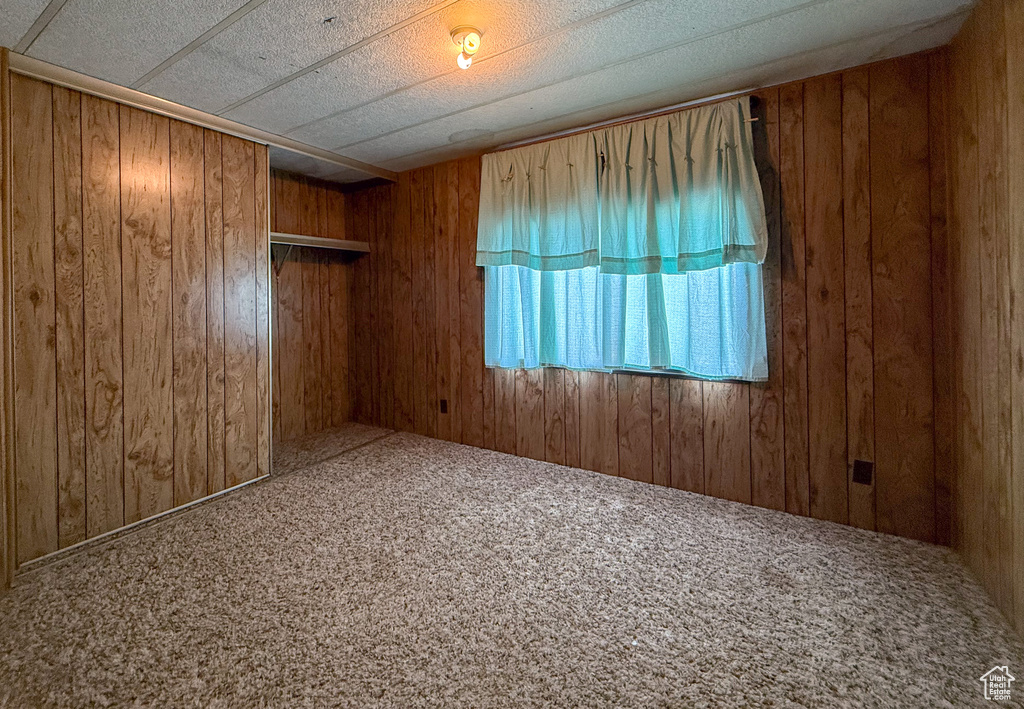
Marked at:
<point>415,573</point>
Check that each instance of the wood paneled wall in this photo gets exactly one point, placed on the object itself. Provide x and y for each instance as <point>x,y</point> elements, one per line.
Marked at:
<point>311,310</point>
<point>985,330</point>
<point>852,169</point>
<point>141,327</point>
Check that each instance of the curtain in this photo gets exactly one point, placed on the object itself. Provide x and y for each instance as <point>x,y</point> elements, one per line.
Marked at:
<point>636,246</point>
<point>670,194</point>
<point>708,324</point>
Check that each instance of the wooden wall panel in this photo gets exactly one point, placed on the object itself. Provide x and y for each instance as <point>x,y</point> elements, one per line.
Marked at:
<point>120,313</point>
<point>634,410</point>
<point>101,236</point>
<point>826,332</point>
<point>240,385</point>
<point>188,269</point>
<point>976,318</point>
<point>146,285</point>
<point>901,256</point>
<point>860,381</point>
<point>35,365</point>
<point>261,221</point>
<point>213,177</point>
<point>70,332</point>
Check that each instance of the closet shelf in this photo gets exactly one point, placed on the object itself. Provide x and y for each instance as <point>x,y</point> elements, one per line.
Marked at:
<point>318,242</point>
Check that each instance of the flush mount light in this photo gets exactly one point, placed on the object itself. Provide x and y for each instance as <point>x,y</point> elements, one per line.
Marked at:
<point>467,39</point>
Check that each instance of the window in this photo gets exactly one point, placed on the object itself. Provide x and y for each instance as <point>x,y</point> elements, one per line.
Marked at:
<point>639,247</point>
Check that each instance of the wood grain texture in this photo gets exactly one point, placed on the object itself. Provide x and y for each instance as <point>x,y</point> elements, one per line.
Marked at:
<point>505,410</point>
<point>661,431</point>
<point>35,365</point>
<point>977,342</point>
<point>288,295</point>
<point>214,196</point>
<point>530,413</point>
<point>261,173</point>
<point>101,235</point>
<point>794,297</point>
<point>554,415</point>
<point>767,432</point>
<point>572,418</point>
<point>188,269</point>
<point>828,489</point>
<point>70,323</point>
<point>687,426</point>
<point>634,409</point>
<point>471,305</point>
<point>860,391</point>
<point>120,310</point>
<point>901,251</point>
<point>727,441</point>
<point>240,413</point>
<point>339,313</point>
<point>146,284</point>
<point>7,515</point>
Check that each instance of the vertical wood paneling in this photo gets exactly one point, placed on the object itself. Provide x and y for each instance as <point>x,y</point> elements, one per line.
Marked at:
<point>261,171</point>
<point>453,294</point>
<point>859,327</point>
<point>70,333</point>
<point>442,291</point>
<point>339,313</point>
<point>634,410</point>
<point>977,318</point>
<point>554,415</point>
<point>240,413</point>
<point>530,413</point>
<point>1014,27</point>
<point>188,270</point>
<point>505,410</point>
<point>35,363</point>
<point>101,235</point>
<point>826,335</point>
<point>661,430</point>
<point>794,297</point>
<point>471,306</point>
<point>288,291</point>
<point>572,418</point>
<point>213,187</point>
<point>401,259</point>
<point>146,285</point>
<point>767,434</point>
<point>119,313</point>
<point>901,252</point>
<point>727,441</point>
<point>687,425</point>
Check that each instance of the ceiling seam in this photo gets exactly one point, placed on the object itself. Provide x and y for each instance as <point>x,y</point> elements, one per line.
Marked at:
<point>197,42</point>
<point>478,61</point>
<point>621,62</point>
<point>44,19</point>
<point>339,54</point>
<point>912,26</point>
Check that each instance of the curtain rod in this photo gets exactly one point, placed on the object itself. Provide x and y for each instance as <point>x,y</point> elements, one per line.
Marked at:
<point>621,120</point>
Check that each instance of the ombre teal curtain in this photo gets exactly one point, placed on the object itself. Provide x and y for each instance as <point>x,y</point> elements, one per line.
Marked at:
<point>637,246</point>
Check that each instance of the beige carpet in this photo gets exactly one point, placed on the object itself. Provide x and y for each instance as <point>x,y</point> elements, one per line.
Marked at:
<point>414,573</point>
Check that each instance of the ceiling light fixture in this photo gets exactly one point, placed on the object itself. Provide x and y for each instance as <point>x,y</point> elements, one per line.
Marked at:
<point>467,39</point>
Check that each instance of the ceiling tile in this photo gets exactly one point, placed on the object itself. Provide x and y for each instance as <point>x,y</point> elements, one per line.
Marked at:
<point>18,16</point>
<point>121,40</point>
<point>271,43</point>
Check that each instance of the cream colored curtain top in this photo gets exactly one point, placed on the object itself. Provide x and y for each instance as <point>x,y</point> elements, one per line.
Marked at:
<point>670,194</point>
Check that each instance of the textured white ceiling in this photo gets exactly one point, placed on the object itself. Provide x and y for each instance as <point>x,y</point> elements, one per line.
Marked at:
<point>378,81</point>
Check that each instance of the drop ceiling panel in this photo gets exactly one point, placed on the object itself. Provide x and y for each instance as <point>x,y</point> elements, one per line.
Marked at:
<point>416,53</point>
<point>272,42</point>
<point>550,60</point>
<point>16,18</point>
<point>121,40</point>
<point>816,27</point>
